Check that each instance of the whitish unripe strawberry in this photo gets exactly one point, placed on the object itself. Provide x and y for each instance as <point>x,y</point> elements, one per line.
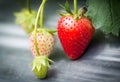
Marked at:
<point>45,42</point>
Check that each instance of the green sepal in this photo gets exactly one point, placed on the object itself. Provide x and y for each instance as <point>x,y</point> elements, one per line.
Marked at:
<point>26,19</point>
<point>63,13</point>
<point>67,9</point>
<point>52,31</point>
<point>46,31</point>
<point>40,66</point>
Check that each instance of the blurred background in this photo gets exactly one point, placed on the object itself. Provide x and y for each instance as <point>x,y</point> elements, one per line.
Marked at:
<point>100,62</point>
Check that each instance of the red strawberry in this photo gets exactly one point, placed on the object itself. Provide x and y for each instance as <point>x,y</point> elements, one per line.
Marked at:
<point>75,34</point>
<point>45,43</point>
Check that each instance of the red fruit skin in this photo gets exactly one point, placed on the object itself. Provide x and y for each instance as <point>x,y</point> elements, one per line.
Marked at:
<point>75,35</point>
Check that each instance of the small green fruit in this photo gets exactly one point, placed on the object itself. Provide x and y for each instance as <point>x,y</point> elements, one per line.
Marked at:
<point>40,66</point>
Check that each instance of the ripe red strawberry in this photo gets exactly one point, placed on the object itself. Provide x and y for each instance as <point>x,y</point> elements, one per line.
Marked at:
<point>45,43</point>
<point>75,33</point>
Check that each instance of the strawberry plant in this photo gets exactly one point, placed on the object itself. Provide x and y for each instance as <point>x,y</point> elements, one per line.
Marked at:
<point>75,30</point>
<point>26,18</point>
<point>41,44</point>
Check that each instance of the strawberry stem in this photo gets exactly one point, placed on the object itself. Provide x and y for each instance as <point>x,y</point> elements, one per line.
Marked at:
<point>84,10</point>
<point>37,18</point>
<point>40,13</point>
<point>75,8</point>
<point>28,6</point>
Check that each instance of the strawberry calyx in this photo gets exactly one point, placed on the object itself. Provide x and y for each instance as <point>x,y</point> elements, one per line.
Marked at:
<point>66,7</point>
<point>46,31</point>
<point>78,13</point>
<point>40,66</point>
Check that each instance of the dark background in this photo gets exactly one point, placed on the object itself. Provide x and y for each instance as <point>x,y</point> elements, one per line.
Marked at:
<point>99,63</point>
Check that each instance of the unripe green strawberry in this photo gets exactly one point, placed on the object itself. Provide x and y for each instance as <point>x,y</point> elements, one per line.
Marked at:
<point>40,66</point>
<point>45,42</point>
<point>41,73</point>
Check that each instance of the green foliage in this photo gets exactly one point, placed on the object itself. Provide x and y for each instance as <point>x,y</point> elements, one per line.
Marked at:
<point>26,19</point>
<point>105,15</point>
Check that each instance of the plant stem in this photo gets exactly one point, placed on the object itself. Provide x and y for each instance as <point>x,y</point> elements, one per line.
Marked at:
<point>28,6</point>
<point>39,13</point>
<point>42,14</point>
<point>37,18</point>
<point>84,10</point>
<point>75,7</point>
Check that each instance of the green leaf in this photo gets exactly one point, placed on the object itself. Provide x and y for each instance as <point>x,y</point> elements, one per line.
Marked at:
<point>105,15</point>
